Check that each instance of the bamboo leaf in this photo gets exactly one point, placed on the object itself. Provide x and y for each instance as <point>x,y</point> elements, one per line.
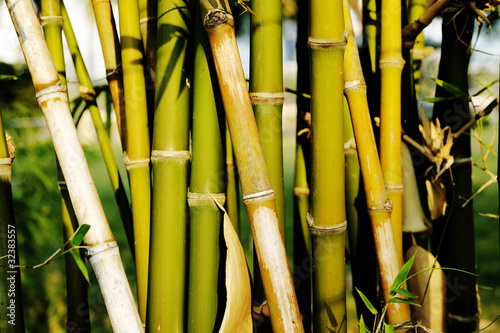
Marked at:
<point>81,265</point>
<point>401,277</point>
<point>5,77</point>
<point>389,328</point>
<point>405,293</point>
<point>77,237</point>
<point>439,99</point>
<point>367,302</point>
<point>362,325</point>
<point>403,300</point>
<point>486,87</point>
<point>457,92</point>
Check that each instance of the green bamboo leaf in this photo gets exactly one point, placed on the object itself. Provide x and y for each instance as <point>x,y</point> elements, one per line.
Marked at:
<point>484,328</point>
<point>439,99</point>
<point>362,325</point>
<point>77,237</point>
<point>389,328</point>
<point>443,268</point>
<point>457,92</point>
<point>401,277</point>
<point>367,302</point>
<point>81,265</point>
<point>403,300</point>
<point>486,87</point>
<point>405,293</point>
<point>5,77</point>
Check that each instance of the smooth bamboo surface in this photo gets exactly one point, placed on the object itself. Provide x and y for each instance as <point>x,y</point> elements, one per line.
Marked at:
<point>257,192</point>
<point>170,160</point>
<point>102,249</point>
<point>232,187</point>
<point>379,207</point>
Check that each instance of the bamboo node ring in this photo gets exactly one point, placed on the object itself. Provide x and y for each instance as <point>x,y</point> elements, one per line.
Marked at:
<point>325,230</point>
<point>463,160</point>
<point>394,62</point>
<point>5,161</point>
<point>257,195</point>
<point>61,184</point>
<point>59,87</point>
<point>328,43</point>
<point>386,207</point>
<point>114,72</point>
<point>265,97</point>
<point>129,164</point>
<point>44,20</point>
<point>180,154</point>
<point>206,196</point>
<point>148,20</point>
<point>216,17</point>
<point>301,191</point>
<point>354,84</point>
<point>95,250</point>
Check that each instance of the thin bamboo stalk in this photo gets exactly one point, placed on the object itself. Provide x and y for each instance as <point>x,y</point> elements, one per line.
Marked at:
<point>170,160</point>
<point>415,9</point>
<point>379,207</point>
<point>112,59</point>
<point>205,217</point>
<point>147,16</point>
<point>232,190</point>
<point>11,311</point>
<point>89,96</point>
<point>138,149</point>
<point>102,250</point>
<point>391,65</point>
<point>76,286</point>
<point>258,195</point>
<point>327,219</point>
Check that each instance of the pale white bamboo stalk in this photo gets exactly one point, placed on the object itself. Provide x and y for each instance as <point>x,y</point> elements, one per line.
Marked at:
<point>51,95</point>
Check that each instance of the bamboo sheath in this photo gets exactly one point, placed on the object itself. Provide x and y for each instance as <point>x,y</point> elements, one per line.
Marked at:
<point>112,59</point>
<point>102,249</point>
<point>379,206</point>
<point>89,96</point>
<point>138,149</point>
<point>258,195</point>
<point>170,159</point>
<point>391,65</point>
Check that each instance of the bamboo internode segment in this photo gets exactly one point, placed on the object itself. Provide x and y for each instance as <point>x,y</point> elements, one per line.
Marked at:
<point>52,98</point>
<point>276,277</point>
<point>379,206</point>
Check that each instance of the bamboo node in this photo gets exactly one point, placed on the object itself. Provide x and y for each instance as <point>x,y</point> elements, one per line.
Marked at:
<point>5,161</point>
<point>96,249</point>
<point>267,98</point>
<point>44,20</point>
<point>323,43</point>
<point>161,154</point>
<point>129,164</point>
<point>301,191</point>
<point>112,73</point>
<point>206,196</point>
<point>354,84</point>
<point>463,160</point>
<point>394,188</point>
<point>350,146</point>
<point>463,319</point>
<point>86,92</point>
<point>394,62</point>
<point>216,17</point>
<point>61,184</point>
<point>59,87</point>
<point>257,195</point>
<point>325,230</point>
<point>386,207</point>
<point>147,20</point>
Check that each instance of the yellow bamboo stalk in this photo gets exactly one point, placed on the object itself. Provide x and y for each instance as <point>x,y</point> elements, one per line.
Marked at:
<point>257,192</point>
<point>102,249</point>
<point>391,65</point>
<point>379,206</point>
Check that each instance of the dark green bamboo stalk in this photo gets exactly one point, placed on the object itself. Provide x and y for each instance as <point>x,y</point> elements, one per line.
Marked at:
<point>327,219</point>
<point>89,96</point>
<point>170,158</point>
<point>205,185</point>
<point>457,249</point>
<point>11,309</point>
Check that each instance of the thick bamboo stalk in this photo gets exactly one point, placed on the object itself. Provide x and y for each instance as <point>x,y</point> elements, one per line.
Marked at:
<point>11,311</point>
<point>89,96</point>
<point>258,195</point>
<point>102,249</point>
<point>170,160</point>
<point>112,59</point>
<point>391,65</point>
<point>205,217</point>
<point>327,219</point>
<point>232,189</point>
<point>379,207</point>
<point>137,155</point>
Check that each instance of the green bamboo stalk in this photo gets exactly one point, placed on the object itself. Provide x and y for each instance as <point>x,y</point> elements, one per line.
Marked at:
<point>415,9</point>
<point>170,158</point>
<point>138,149</point>
<point>112,59</point>
<point>102,249</point>
<point>89,96</point>
<point>147,16</point>
<point>257,192</point>
<point>327,219</point>
<point>11,311</point>
<point>76,285</point>
<point>232,189</point>
<point>457,249</point>
<point>205,217</point>
<point>371,31</point>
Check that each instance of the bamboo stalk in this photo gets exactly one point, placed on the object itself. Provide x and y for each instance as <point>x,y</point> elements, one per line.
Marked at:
<point>89,96</point>
<point>232,190</point>
<point>147,16</point>
<point>112,59</point>
<point>379,207</point>
<point>327,219</point>
<point>11,311</point>
<point>102,250</point>
<point>258,195</point>
<point>391,65</point>
<point>205,217</point>
<point>138,149</point>
<point>170,160</point>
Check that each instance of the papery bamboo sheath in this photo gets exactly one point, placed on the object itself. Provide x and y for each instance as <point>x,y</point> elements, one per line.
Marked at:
<point>257,192</point>
<point>102,250</point>
<point>379,207</point>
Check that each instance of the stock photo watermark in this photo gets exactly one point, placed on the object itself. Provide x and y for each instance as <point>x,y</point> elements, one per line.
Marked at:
<point>12,272</point>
